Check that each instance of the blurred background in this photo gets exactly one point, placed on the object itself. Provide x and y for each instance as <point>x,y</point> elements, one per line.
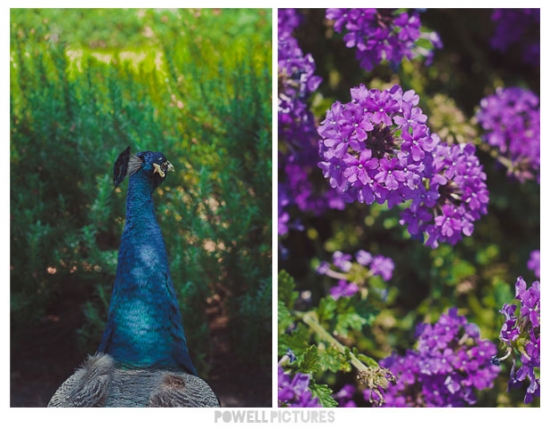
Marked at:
<point>479,273</point>
<point>194,84</point>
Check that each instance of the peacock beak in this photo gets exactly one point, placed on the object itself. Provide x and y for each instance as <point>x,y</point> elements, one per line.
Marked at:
<point>161,169</point>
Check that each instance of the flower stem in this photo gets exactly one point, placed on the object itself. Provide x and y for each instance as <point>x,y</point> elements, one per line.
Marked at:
<point>497,361</point>
<point>310,319</point>
<point>336,275</point>
<point>373,376</point>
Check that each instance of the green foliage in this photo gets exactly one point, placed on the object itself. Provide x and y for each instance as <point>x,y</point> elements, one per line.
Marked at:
<point>193,84</point>
<point>252,325</point>
<point>315,337</point>
<point>308,362</point>
<point>297,340</point>
<point>287,292</point>
<point>347,320</point>
<point>323,392</point>
<point>333,360</point>
<point>284,318</point>
<point>94,316</point>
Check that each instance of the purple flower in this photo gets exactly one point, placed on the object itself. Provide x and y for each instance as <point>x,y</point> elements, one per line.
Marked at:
<point>360,169</point>
<point>509,332</point>
<point>448,221</point>
<point>530,301</point>
<point>344,289</point>
<point>382,266</point>
<point>513,27</point>
<point>353,275</point>
<point>323,268</point>
<point>460,181</point>
<point>511,120</point>
<point>345,396</point>
<point>382,35</point>
<point>382,173</point>
<point>521,336</point>
<point>445,370</point>
<point>534,262</point>
<point>355,124</point>
<point>526,372</point>
<point>283,215</point>
<point>342,261</point>
<point>415,139</point>
<point>363,257</point>
<point>414,219</point>
<point>389,175</point>
<point>297,161</point>
<point>382,105</point>
<point>294,392</point>
<point>378,148</point>
<point>288,20</point>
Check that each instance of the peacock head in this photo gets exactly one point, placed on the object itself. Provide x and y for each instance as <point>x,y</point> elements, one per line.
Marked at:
<point>153,165</point>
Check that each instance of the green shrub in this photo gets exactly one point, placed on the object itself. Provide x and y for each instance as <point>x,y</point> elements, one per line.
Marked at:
<point>195,85</point>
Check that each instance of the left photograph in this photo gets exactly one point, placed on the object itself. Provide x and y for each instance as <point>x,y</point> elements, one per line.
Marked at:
<point>141,201</point>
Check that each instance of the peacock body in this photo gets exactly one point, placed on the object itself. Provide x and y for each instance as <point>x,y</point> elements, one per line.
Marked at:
<point>143,359</point>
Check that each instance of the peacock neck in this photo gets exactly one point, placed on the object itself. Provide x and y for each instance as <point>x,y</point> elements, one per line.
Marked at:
<point>139,202</point>
<point>142,245</point>
<point>144,327</point>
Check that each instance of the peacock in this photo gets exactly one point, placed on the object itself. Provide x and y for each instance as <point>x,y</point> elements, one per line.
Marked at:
<point>143,359</point>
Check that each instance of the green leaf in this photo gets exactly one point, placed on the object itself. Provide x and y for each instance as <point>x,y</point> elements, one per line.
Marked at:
<point>349,320</point>
<point>309,361</point>
<point>367,360</point>
<point>460,270</point>
<point>364,359</point>
<point>297,340</point>
<point>286,289</point>
<point>324,393</point>
<point>327,306</point>
<point>502,294</point>
<point>365,309</point>
<point>284,318</point>
<point>332,359</point>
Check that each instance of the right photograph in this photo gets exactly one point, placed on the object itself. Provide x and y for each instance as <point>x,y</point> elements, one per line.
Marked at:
<point>409,208</point>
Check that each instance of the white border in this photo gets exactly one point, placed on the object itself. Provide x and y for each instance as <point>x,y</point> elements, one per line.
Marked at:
<point>72,418</point>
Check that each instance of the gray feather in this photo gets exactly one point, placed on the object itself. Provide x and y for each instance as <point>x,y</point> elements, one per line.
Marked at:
<point>134,163</point>
<point>101,383</point>
<point>88,386</point>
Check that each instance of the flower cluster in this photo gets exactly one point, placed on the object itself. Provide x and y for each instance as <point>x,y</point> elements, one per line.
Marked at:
<point>284,217</point>
<point>297,81</point>
<point>511,119</point>
<point>352,275</point>
<point>520,334</point>
<point>382,34</point>
<point>378,148</point>
<point>288,20</point>
<point>459,180</point>
<point>513,27</point>
<point>534,262</point>
<point>451,362</point>
<point>344,397</point>
<point>295,392</point>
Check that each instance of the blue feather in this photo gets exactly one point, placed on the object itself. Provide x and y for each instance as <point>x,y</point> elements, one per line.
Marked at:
<point>144,328</point>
